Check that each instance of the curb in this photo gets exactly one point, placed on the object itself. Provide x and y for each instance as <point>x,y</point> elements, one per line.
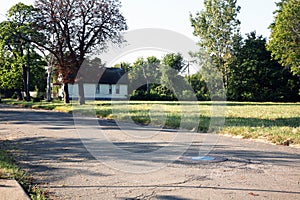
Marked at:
<point>10,189</point>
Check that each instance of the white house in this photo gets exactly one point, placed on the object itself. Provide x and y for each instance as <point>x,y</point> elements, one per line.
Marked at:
<point>111,85</point>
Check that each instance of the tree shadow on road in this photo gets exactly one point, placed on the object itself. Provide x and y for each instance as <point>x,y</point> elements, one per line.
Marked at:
<point>55,158</point>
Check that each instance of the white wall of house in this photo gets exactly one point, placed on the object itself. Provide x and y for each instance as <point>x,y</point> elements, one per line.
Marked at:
<point>101,91</point>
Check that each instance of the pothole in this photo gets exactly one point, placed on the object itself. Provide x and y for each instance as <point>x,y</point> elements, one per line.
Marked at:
<point>202,159</point>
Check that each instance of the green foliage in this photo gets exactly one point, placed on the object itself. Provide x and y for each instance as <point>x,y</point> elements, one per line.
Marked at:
<point>199,86</point>
<point>10,73</point>
<point>18,57</point>
<point>255,77</point>
<point>175,61</point>
<point>158,80</point>
<point>171,78</point>
<point>168,78</point>
<point>285,35</point>
<point>124,65</point>
<point>163,94</point>
<point>11,76</point>
<point>143,74</point>
<point>216,26</point>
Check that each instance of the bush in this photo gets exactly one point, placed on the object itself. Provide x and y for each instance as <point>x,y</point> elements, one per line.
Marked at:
<point>15,95</point>
<point>188,95</point>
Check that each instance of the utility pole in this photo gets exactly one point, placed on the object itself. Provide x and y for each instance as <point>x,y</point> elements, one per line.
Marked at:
<point>187,67</point>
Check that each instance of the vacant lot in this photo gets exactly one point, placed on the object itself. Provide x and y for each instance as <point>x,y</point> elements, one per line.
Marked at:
<point>275,122</point>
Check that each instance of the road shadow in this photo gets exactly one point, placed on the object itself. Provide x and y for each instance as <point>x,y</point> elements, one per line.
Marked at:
<point>57,158</point>
<point>55,148</point>
<point>36,117</point>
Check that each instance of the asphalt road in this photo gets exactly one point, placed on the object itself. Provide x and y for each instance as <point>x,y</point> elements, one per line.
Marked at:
<point>88,160</point>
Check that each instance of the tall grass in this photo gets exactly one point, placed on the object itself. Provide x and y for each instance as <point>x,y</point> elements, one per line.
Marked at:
<point>275,122</point>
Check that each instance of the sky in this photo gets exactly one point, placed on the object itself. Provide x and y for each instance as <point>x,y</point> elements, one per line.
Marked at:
<point>174,14</point>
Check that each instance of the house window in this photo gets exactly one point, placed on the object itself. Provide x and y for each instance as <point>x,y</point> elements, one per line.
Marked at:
<point>97,89</point>
<point>110,89</point>
<point>117,89</point>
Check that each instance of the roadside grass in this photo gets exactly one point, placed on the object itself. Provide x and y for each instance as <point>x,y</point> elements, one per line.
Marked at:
<point>55,105</point>
<point>9,170</point>
<point>278,123</point>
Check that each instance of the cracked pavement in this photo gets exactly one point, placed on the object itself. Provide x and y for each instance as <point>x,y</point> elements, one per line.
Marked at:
<point>48,145</point>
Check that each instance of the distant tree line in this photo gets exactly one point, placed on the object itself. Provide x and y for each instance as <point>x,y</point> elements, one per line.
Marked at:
<point>253,76</point>
<point>252,68</point>
<point>155,79</point>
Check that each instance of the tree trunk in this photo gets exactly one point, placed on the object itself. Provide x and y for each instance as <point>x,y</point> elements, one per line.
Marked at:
<point>25,83</point>
<point>148,88</point>
<point>225,78</point>
<point>66,93</point>
<point>19,95</point>
<point>147,83</point>
<point>81,98</point>
<point>27,76</point>
<point>49,85</point>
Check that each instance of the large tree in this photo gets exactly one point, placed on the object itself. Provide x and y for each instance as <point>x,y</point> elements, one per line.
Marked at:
<point>73,28</point>
<point>10,74</point>
<point>171,80</point>
<point>144,71</point>
<point>216,26</point>
<point>255,77</point>
<point>15,33</point>
<point>285,35</point>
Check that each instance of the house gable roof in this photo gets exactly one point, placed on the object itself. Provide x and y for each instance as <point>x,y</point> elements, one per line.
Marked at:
<point>113,76</point>
<point>106,75</point>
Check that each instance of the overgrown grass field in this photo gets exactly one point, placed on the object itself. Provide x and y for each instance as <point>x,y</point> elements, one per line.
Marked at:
<point>275,122</point>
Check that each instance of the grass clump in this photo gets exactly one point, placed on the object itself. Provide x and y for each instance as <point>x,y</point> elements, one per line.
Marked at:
<point>9,170</point>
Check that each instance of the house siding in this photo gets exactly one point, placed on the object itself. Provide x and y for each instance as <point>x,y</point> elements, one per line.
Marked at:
<point>104,91</point>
